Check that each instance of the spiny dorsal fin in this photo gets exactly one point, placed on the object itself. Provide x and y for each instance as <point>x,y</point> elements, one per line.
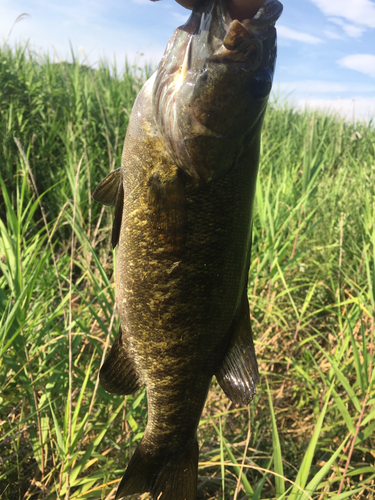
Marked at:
<point>238,373</point>
<point>107,189</point>
<point>118,216</point>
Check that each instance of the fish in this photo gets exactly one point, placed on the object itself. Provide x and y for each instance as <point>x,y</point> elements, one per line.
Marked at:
<point>183,201</point>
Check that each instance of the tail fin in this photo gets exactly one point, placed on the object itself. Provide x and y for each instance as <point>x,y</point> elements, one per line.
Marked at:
<point>166,477</point>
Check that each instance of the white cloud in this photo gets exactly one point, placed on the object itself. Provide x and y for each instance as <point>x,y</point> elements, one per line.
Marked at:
<point>360,12</point>
<point>284,32</point>
<point>365,63</point>
<point>358,108</point>
<point>333,35</point>
<point>311,87</point>
<point>352,30</point>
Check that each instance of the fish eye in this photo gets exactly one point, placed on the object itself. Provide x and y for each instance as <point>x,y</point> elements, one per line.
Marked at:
<point>204,74</point>
<point>261,84</point>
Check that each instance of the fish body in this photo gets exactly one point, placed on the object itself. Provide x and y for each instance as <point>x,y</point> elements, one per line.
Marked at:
<point>183,213</point>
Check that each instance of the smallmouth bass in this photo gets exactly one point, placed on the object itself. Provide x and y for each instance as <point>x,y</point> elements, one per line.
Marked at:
<point>183,202</point>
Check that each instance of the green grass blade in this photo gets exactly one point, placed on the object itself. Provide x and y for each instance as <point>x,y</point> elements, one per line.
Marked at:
<point>277,455</point>
<point>318,478</point>
<point>305,467</point>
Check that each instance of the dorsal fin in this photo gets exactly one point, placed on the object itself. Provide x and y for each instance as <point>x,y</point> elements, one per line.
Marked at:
<point>118,215</point>
<point>117,375</point>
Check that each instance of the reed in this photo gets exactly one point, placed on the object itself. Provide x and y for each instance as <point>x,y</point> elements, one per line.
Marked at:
<point>310,431</point>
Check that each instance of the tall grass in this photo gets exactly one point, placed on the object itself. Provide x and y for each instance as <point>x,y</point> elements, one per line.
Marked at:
<point>310,431</point>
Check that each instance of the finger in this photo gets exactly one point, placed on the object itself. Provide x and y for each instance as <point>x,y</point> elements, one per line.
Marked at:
<point>188,4</point>
<point>244,9</point>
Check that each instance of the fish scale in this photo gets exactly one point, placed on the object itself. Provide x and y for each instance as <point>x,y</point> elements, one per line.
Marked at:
<point>183,213</point>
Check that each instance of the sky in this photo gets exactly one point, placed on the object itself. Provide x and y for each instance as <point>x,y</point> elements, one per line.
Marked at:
<point>326,48</point>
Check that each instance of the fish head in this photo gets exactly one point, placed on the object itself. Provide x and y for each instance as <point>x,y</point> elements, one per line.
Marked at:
<point>211,87</point>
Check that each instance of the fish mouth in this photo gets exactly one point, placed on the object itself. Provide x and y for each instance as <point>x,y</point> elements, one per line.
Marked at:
<point>211,30</point>
<point>198,65</point>
<point>214,32</point>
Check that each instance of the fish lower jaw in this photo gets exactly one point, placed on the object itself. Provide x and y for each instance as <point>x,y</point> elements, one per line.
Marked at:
<point>267,14</point>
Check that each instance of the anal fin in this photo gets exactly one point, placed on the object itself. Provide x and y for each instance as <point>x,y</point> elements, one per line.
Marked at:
<point>117,375</point>
<point>238,374</point>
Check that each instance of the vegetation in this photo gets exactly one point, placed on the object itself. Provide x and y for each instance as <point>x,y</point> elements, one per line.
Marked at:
<point>310,432</point>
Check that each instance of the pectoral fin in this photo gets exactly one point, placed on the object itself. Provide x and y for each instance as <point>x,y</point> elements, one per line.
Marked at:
<point>238,373</point>
<point>117,375</point>
<point>107,189</point>
<point>167,209</point>
<point>110,192</point>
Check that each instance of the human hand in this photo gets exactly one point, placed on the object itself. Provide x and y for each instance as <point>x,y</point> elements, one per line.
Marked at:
<point>188,4</point>
<point>238,9</point>
<point>244,9</point>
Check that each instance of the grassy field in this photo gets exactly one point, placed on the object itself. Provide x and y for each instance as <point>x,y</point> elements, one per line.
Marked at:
<point>310,432</point>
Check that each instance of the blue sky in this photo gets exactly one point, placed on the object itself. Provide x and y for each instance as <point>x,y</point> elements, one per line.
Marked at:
<point>326,48</point>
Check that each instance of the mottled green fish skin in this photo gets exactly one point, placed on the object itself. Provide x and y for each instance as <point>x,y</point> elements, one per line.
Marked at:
<point>183,224</point>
